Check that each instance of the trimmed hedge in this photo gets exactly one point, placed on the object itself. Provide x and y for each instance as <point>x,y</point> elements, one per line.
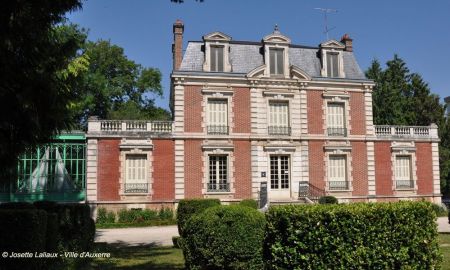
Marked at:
<point>328,200</point>
<point>224,237</point>
<point>23,230</point>
<point>399,235</point>
<point>188,207</point>
<point>249,203</point>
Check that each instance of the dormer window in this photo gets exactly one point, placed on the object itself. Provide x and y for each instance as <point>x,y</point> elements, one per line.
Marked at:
<point>217,52</point>
<point>276,62</point>
<point>333,64</point>
<point>216,58</point>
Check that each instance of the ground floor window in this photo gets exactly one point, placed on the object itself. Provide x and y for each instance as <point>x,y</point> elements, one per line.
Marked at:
<point>218,174</point>
<point>136,174</point>
<point>337,172</point>
<point>403,170</point>
<point>279,172</point>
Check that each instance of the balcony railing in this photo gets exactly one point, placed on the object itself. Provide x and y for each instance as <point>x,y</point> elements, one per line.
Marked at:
<point>337,132</point>
<point>218,187</point>
<point>338,185</point>
<point>217,129</point>
<point>407,131</point>
<point>136,187</point>
<point>130,126</point>
<point>404,184</point>
<point>279,130</point>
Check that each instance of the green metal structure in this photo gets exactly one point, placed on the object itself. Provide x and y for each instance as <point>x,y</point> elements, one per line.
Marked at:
<point>55,171</point>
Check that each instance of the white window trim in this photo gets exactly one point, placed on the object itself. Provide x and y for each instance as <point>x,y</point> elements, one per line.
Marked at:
<point>208,113</point>
<point>337,97</point>
<point>129,150</point>
<point>217,150</point>
<point>217,93</point>
<point>338,150</point>
<point>279,98</point>
<point>400,149</point>
<point>278,153</point>
<point>226,55</point>
<point>286,70</point>
<point>324,70</point>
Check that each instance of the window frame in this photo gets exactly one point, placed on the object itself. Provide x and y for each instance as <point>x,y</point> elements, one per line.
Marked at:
<point>400,182</point>
<point>279,127</point>
<point>279,174</point>
<point>335,184</point>
<point>217,127</point>
<point>333,129</point>
<point>130,184</point>
<point>216,61</point>
<point>217,183</point>
<point>274,62</point>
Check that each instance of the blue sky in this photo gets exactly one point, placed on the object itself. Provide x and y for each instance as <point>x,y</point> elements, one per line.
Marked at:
<point>418,31</point>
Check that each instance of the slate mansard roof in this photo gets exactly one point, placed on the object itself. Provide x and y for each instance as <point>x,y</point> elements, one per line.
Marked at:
<point>246,56</point>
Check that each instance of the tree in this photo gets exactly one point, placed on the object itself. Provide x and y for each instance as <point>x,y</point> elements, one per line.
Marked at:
<point>403,98</point>
<point>116,87</point>
<point>38,69</point>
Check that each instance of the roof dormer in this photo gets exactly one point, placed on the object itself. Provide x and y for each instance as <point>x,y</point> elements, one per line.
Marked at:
<point>217,52</point>
<point>331,55</point>
<point>276,54</point>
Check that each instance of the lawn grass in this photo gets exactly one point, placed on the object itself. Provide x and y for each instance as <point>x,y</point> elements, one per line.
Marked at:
<point>444,244</point>
<point>170,258</point>
<point>138,257</point>
<point>148,223</point>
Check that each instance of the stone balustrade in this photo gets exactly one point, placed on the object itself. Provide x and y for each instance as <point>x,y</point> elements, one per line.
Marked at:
<point>407,131</point>
<point>111,126</point>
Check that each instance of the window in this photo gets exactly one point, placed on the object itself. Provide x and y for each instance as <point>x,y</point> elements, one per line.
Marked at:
<point>218,174</point>
<point>279,172</point>
<point>403,177</point>
<point>336,119</point>
<point>332,65</point>
<point>217,116</point>
<point>276,61</point>
<point>216,58</point>
<point>279,118</point>
<point>136,174</point>
<point>337,172</point>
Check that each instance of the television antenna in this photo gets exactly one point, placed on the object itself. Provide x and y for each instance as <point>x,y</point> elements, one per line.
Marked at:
<point>325,12</point>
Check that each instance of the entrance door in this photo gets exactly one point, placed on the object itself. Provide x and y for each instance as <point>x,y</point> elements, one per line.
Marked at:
<point>279,177</point>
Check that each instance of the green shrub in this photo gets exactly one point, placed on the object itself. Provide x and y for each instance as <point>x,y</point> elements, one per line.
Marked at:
<point>189,207</point>
<point>105,216</point>
<point>23,230</point>
<point>249,203</point>
<point>328,200</point>
<point>165,213</point>
<point>399,235</point>
<point>441,211</point>
<point>110,217</point>
<point>224,237</point>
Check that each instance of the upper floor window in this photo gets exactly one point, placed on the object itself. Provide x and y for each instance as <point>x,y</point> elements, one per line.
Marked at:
<point>216,58</point>
<point>403,170</point>
<point>336,119</point>
<point>337,172</point>
<point>218,174</point>
<point>332,64</point>
<point>136,174</point>
<point>276,61</point>
<point>279,118</point>
<point>217,116</point>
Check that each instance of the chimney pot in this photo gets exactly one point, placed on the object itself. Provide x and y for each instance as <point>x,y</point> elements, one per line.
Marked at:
<point>348,42</point>
<point>177,46</point>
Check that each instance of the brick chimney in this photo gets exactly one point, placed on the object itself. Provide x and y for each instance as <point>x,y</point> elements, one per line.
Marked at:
<point>348,42</point>
<point>177,46</point>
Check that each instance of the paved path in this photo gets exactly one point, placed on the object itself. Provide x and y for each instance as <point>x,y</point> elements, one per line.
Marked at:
<point>443,225</point>
<point>160,235</point>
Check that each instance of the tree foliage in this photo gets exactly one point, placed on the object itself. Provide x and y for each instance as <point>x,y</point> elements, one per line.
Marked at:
<point>404,98</point>
<point>116,87</point>
<point>38,70</point>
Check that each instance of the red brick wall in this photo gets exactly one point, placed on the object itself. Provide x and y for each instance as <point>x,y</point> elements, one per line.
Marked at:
<point>357,114</point>
<point>193,109</point>
<point>163,170</point>
<point>424,168</point>
<point>241,108</point>
<point>193,164</point>
<point>108,170</point>
<point>242,165</point>
<point>383,168</point>
<point>359,172</point>
<point>316,164</point>
<point>315,112</point>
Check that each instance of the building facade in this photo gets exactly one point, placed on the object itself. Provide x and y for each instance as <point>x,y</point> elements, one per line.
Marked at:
<point>268,115</point>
